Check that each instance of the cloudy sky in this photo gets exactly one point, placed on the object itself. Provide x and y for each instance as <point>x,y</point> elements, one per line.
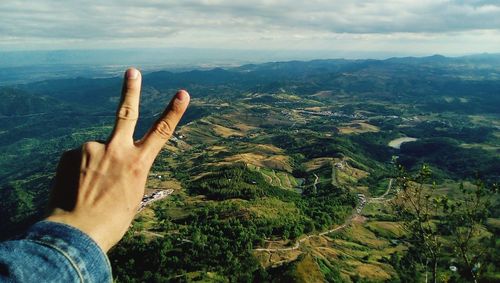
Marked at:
<point>415,27</point>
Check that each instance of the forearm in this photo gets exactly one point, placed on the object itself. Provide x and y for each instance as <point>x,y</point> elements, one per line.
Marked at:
<point>53,252</point>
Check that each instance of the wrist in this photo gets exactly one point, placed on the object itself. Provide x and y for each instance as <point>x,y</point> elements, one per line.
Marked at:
<point>88,229</point>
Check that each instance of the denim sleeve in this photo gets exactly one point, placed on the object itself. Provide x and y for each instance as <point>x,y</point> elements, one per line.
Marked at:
<point>53,252</point>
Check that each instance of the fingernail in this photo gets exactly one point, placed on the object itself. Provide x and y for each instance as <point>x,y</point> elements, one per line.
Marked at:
<point>181,94</point>
<point>132,74</point>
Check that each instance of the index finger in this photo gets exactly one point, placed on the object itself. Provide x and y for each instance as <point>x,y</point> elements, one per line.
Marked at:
<point>128,110</point>
<point>163,128</point>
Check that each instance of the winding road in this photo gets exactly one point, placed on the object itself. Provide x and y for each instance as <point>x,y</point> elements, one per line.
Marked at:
<point>356,212</point>
<point>382,197</point>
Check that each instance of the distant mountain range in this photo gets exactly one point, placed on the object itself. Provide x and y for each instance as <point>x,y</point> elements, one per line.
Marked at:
<point>31,66</point>
<point>475,78</point>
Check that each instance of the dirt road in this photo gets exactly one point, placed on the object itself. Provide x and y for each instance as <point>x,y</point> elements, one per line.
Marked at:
<point>356,212</point>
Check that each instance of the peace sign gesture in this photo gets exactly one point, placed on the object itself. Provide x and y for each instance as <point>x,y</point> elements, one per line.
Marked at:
<point>99,186</point>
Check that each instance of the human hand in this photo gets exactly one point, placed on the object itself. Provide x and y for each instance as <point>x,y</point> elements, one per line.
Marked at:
<point>98,187</point>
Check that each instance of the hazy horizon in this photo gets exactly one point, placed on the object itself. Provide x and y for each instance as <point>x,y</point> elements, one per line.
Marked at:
<point>189,57</point>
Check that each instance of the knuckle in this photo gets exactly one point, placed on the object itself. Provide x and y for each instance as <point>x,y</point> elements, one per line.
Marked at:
<point>139,167</point>
<point>90,146</point>
<point>127,112</point>
<point>164,129</point>
<point>114,152</point>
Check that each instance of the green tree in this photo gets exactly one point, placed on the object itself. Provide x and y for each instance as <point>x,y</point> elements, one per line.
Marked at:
<point>463,220</point>
<point>416,208</point>
<point>437,225</point>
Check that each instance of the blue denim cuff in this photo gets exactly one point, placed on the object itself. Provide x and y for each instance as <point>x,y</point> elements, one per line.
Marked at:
<point>85,256</point>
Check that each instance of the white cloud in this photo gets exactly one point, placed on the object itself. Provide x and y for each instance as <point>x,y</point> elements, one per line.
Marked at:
<point>428,26</point>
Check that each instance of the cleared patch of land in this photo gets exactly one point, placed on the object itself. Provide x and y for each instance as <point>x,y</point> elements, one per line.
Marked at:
<point>396,143</point>
<point>357,127</point>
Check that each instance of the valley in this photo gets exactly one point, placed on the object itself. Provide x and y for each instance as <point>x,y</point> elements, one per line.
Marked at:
<point>279,172</point>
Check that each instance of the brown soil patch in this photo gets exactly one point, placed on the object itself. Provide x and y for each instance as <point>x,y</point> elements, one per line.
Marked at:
<point>374,272</point>
<point>268,259</point>
<point>315,109</point>
<point>307,270</point>
<point>244,127</point>
<point>362,235</point>
<point>268,148</point>
<point>226,132</point>
<point>162,184</point>
<point>356,173</point>
<point>277,162</point>
<point>216,148</point>
<point>316,163</point>
<point>170,148</point>
<point>357,127</point>
<point>359,219</point>
<point>317,241</point>
<point>327,253</point>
